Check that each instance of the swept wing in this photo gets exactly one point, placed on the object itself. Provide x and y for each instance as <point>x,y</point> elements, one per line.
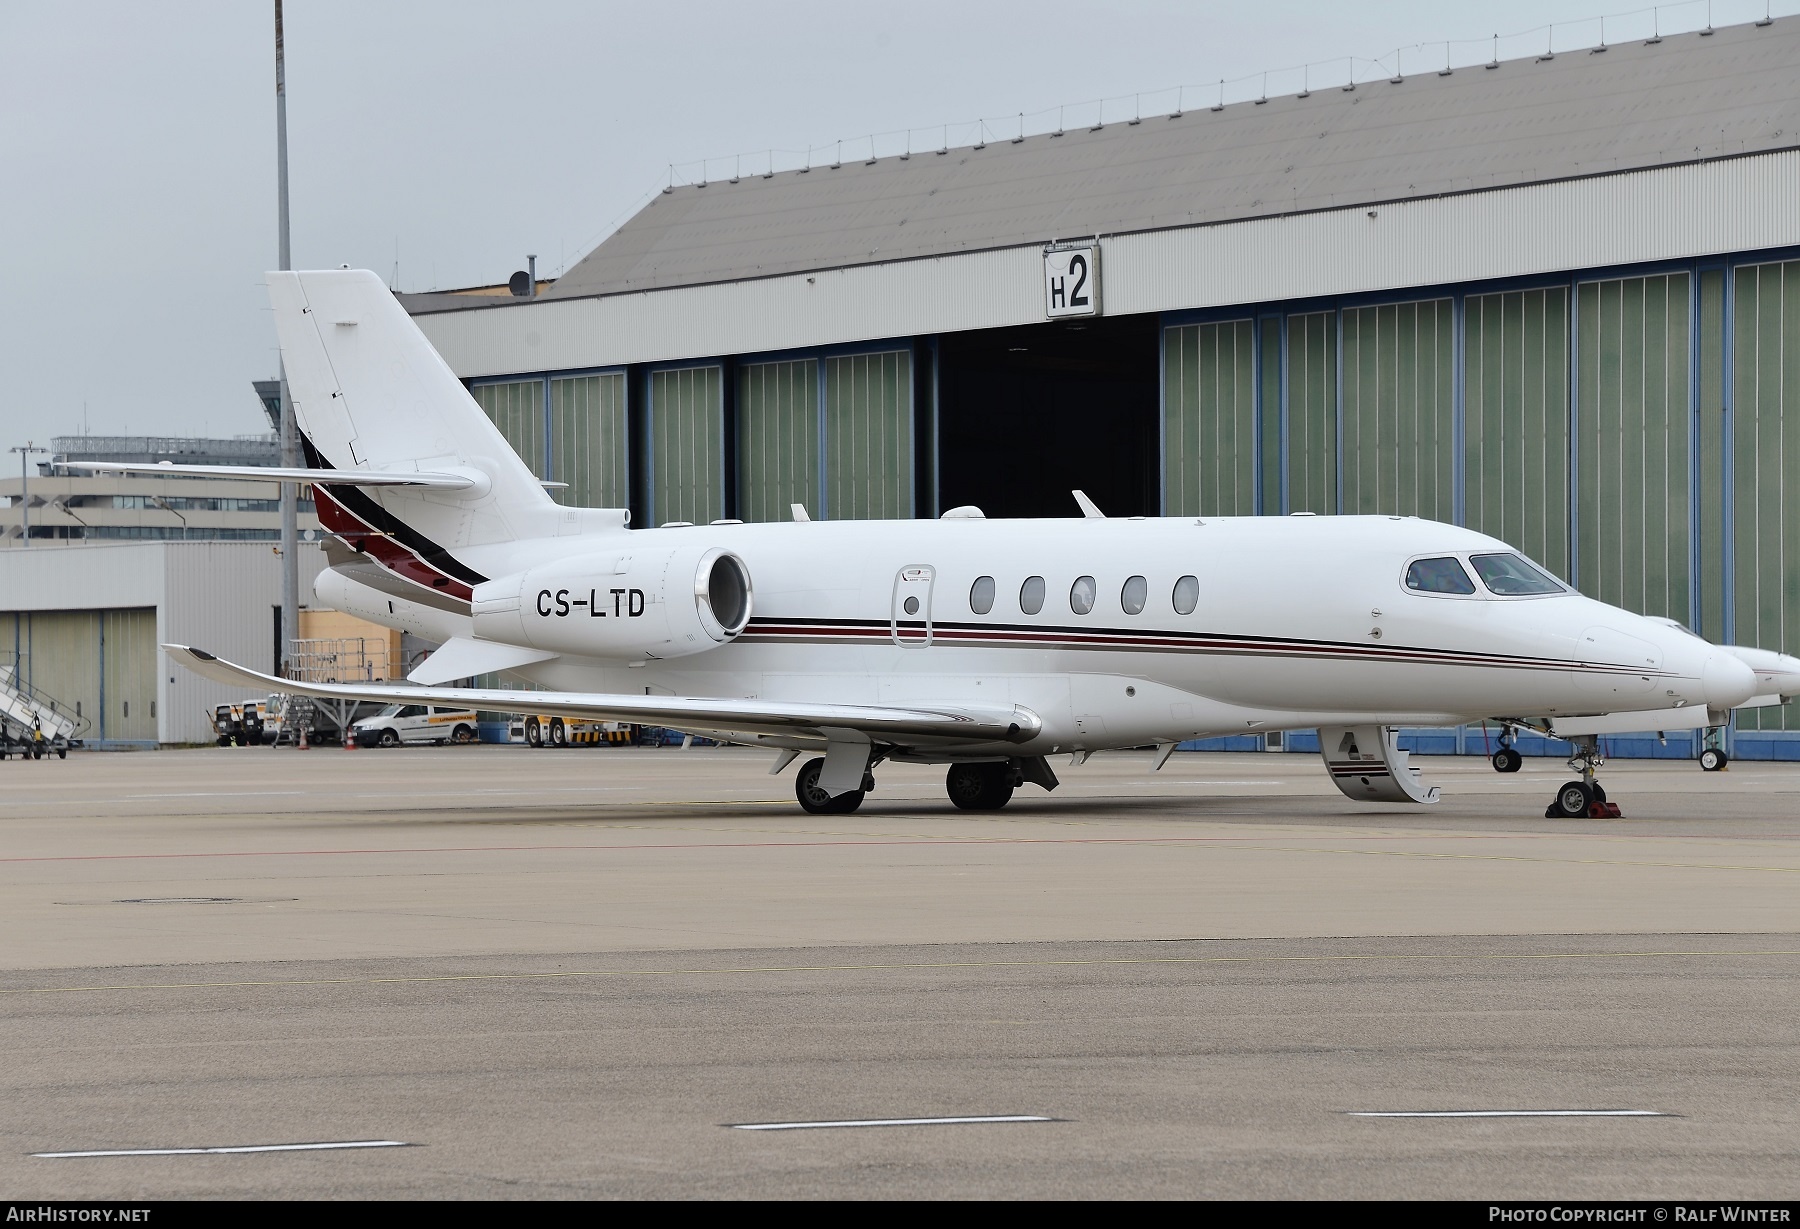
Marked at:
<point>958,723</point>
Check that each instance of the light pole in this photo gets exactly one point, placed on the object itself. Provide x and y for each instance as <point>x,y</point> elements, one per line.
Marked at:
<point>25,450</point>
<point>290,444</point>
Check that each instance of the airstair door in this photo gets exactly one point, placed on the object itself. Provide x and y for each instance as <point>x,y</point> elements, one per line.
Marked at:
<point>910,619</point>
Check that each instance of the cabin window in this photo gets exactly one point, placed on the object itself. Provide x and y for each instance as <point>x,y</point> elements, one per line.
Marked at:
<point>981,594</point>
<point>1514,576</point>
<point>1081,594</point>
<point>1133,596</point>
<point>1186,595</point>
<point>1439,576</point>
<point>1031,595</point>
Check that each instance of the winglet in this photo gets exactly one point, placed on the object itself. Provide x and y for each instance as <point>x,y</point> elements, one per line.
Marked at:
<point>1089,508</point>
<point>799,511</point>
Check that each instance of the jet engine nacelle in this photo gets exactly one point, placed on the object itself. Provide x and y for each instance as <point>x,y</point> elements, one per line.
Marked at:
<point>645,604</point>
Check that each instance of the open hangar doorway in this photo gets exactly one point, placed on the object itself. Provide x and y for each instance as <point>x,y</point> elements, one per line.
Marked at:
<point>1027,414</point>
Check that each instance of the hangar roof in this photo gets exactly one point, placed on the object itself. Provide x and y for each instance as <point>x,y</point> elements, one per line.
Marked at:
<point>1630,106</point>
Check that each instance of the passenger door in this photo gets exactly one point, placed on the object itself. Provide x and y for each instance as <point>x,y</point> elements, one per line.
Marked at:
<point>909,619</point>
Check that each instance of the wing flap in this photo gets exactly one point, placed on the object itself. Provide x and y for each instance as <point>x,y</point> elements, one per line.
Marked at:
<point>958,723</point>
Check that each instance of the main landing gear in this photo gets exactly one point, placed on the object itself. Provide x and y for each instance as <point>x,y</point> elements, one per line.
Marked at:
<point>981,787</point>
<point>984,785</point>
<point>815,800</point>
<point>1586,798</point>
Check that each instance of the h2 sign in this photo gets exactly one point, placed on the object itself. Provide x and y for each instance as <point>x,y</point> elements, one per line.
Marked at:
<point>1072,281</point>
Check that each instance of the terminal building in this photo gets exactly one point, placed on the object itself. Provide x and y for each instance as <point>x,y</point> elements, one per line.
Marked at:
<point>1554,299</point>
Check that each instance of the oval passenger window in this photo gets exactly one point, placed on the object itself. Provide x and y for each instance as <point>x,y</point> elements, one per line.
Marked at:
<point>981,594</point>
<point>1186,595</point>
<point>1031,594</point>
<point>1081,594</point>
<point>1134,594</point>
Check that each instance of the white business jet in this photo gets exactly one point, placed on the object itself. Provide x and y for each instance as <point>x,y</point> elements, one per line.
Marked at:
<point>986,646</point>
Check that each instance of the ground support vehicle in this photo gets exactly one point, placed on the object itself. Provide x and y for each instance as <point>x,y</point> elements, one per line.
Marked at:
<point>415,723</point>
<point>541,730</point>
<point>32,725</point>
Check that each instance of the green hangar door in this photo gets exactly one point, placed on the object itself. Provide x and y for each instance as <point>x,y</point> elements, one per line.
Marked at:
<point>96,665</point>
<point>1025,415</point>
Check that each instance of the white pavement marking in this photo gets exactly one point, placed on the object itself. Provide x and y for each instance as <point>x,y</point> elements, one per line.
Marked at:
<point>1507,1114</point>
<point>884,1122</point>
<point>350,1143</point>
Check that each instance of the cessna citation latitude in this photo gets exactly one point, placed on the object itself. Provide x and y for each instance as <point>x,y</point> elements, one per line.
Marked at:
<point>985,646</point>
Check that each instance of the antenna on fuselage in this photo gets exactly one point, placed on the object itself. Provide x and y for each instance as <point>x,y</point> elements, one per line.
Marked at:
<point>1089,508</point>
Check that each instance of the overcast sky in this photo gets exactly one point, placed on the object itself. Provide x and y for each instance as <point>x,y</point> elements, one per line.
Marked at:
<point>447,140</point>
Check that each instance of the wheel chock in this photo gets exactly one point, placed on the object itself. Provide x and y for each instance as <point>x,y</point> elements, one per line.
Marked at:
<point>1604,810</point>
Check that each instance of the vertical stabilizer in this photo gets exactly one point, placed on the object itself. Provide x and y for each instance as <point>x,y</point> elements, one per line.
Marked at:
<point>371,393</point>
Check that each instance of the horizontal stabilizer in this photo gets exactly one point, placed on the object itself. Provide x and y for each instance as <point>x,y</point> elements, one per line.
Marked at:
<point>462,658</point>
<point>270,473</point>
<point>953,724</point>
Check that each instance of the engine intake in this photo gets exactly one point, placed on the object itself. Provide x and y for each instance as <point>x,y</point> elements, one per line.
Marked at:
<point>646,604</point>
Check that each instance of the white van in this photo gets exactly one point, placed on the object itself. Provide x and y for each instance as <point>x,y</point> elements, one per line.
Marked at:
<point>415,723</point>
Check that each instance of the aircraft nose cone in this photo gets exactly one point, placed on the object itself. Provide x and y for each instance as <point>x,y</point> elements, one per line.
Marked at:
<point>1726,682</point>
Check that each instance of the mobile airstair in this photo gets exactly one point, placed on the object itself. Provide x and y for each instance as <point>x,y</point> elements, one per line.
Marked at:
<point>32,724</point>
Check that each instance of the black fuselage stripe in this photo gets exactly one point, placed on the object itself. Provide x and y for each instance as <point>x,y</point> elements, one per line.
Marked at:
<point>1164,640</point>
<point>356,502</point>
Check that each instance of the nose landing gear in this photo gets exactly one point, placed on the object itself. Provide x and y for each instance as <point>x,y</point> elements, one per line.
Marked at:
<point>1586,798</point>
<point>1506,757</point>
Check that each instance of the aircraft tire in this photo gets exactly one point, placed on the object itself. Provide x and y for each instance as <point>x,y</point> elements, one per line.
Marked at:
<point>534,732</point>
<point>979,787</point>
<point>388,739</point>
<point>1571,802</point>
<point>1712,759</point>
<point>815,801</point>
<point>1507,760</point>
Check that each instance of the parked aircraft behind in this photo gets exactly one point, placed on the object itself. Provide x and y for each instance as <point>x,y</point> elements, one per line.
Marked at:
<point>986,646</point>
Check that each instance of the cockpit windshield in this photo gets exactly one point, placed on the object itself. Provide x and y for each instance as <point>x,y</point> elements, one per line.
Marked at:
<point>1514,576</point>
<point>1439,576</point>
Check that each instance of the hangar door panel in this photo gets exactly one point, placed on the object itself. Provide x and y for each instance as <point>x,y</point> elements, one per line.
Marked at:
<point>778,439</point>
<point>1516,421</point>
<point>1765,470</point>
<point>588,437</point>
<point>868,436</point>
<point>1632,444</point>
<point>517,409</point>
<point>1312,413</point>
<point>128,674</point>
<point>1398,408</point>
<point>687,448</point>
<point>1209,420</point>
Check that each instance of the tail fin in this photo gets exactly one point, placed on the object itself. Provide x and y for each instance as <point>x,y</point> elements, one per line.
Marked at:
<point>371,393</point>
